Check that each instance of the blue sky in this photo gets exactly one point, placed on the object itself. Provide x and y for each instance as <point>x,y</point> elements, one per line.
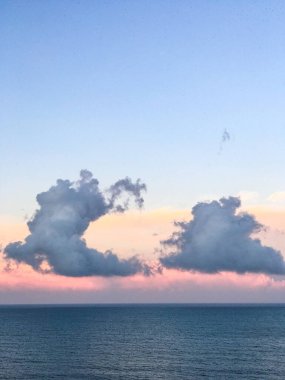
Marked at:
<point>143,89</point>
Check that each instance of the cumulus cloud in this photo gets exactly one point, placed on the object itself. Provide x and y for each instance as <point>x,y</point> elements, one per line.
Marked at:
<point>220,239</point>
<point>55,243</point>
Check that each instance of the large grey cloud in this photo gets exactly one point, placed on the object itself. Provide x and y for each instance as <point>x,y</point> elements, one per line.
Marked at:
<point>220,239</point>
<point>65,213</point>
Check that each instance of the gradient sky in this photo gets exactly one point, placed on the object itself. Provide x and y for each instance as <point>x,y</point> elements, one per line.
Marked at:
<point>144,89</point>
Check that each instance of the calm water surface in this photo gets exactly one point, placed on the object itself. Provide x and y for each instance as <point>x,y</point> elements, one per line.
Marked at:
<point>142,342</point>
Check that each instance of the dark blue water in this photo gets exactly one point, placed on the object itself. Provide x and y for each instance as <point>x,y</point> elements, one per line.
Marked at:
<point>142,342</point>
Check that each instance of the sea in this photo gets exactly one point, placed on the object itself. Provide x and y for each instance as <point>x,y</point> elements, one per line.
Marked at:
<point>133,342</point>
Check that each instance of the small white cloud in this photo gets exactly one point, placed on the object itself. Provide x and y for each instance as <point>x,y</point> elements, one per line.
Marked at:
<point>247,196</point>
<point>278,196</point>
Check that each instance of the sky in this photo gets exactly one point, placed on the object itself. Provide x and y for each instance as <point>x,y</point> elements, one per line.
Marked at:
<point>187,96</point>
